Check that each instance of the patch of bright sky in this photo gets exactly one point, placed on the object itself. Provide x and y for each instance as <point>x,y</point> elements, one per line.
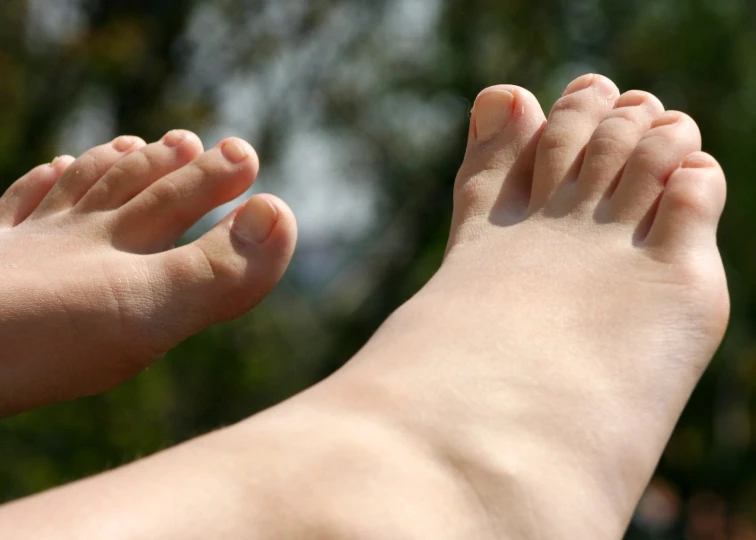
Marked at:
<point>326,177</point>
<point>420,123</point>
<point>409,24</point>
<point>320,169</point>
<point>52,23</point>
<point>90,124</point>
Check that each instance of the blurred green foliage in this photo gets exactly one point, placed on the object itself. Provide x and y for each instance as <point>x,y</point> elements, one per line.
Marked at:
<point>386,86</point>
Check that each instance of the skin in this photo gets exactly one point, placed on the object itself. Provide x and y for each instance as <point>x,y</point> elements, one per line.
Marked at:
<point>526,391</point>
<point>86,261</point>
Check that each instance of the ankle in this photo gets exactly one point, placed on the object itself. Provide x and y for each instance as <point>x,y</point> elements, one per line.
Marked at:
<point>507,483</point>
<point>534,495</point>
<point>349,473</point>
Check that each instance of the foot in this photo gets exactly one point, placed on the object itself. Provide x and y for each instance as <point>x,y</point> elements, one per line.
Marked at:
<point>526,392</point>
<point>581,297</point>
<point>93,291</point>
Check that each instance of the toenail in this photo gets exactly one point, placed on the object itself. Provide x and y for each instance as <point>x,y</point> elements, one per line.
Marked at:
<point>493,110</point>
<point>256,219</point>
<point>581,83</point>
<point>124,143</point>
<point>666,120</point>
<point>174,138</point>
<point>630,100</point>
<point>698,161</point>
<point>234,150</point>
<point>61,162</point>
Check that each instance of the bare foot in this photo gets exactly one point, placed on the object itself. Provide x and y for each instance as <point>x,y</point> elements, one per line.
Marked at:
<point>582,295</point>
<point>526,392</point>
<point>93,293</point>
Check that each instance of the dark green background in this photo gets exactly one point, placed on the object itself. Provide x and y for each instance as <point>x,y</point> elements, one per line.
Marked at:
<point>388,84</point>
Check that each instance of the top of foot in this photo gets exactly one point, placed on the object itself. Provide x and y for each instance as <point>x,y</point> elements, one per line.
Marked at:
<point>93,290</point>
<point>581,296</point>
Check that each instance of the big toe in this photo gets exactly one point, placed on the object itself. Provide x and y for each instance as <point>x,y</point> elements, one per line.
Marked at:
<point>230,269</point>
<point>495,179</point>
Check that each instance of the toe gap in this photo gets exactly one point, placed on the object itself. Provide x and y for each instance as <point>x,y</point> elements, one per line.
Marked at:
<point>644,225</point>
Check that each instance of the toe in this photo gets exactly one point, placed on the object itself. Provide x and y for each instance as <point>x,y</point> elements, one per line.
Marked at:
<point>23,197</point>
<point>572,122</point>
<point>231,268</point>
<point>672,136</point>
<point>157,217</point>
<point>83,173</point>
<point>497,171</point>
<point>613,142</point>
<point>140,169</point>
<point>690,206</point>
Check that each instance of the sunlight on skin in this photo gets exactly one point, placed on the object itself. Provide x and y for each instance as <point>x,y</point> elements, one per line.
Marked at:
<point>462,417</point>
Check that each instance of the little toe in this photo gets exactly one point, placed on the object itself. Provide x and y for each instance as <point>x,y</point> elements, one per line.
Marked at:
<point>572,121</point>
<point>613,142</point>
<point>140,169</point>
<point>672,136</point>
<point>497,170</point>
<point>84,172</point>
<point>690,206</point>
<point>25,194</point>
<point>157,217</point>
<point>230,269</point>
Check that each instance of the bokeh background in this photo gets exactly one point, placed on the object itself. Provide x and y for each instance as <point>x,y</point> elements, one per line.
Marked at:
<point>359,111</point>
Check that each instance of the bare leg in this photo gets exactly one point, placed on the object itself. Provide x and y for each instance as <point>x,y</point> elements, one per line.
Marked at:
<point>526,392</point>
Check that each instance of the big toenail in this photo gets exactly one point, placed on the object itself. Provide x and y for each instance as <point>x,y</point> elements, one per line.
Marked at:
<point>493,110</point>
<point>255,221</point>
<point>124,143</point>
<point>174,138</point>
<point>581,83</point>
<point>234,151</point>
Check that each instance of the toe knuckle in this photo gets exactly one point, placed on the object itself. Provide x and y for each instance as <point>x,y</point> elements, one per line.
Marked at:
<point>467,191</point>
<point>649,161</point>
<point>86,165</point>
<point>570,102</point>
<point>149,158</point>
<point>210,164</point>
<point>224,272</point>
<point>137,164</point>
<point>605,142</point>
<point>684,191</point>
<point>654,144</point>
<point>632,115</point>
<point>116,174</point>
<point>556,138</point>
<point>165,191</point>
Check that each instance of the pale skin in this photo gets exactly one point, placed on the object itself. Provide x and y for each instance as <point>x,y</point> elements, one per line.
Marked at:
<point>86,261</point>
<point>526,391</point>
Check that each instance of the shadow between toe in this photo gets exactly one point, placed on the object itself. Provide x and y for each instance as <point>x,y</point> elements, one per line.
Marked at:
<point>513,201</point>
